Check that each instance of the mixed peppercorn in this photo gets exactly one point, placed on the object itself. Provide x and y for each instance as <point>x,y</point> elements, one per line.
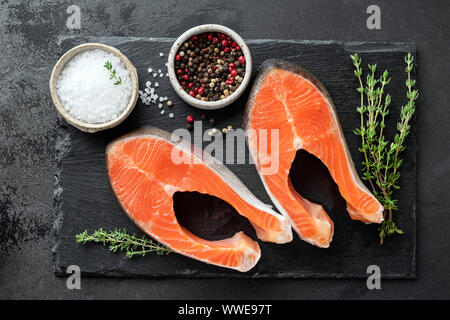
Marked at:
<point>210,66</point>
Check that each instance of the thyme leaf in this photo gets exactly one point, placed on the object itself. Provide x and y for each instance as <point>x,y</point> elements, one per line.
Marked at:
<point>121,240</point>
<point>113,74</point>
<point>382,162</point>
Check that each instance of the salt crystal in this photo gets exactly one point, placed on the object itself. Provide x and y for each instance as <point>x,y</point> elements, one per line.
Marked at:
<point>161,75</point>
<point>160,105</point>
<point>154,74</point>
<point>150,70</point>
<point>162,111</point>
<point>161,99</point>
<point>147,90</point>
<point>161,54</point>
<point>171,115</point>
<point>159,70</point>
<point>86,90</point>
<point>148,84</point>
<point>156,84</point>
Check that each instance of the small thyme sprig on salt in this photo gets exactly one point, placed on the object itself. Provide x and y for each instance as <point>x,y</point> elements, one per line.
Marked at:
<point>109,67</point>
<point>381,164</point>
<point>121,240</point>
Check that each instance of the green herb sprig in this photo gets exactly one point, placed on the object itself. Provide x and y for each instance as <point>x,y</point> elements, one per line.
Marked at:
<point>121,240</point>
<point>381,163</point>
<point>109,67</point>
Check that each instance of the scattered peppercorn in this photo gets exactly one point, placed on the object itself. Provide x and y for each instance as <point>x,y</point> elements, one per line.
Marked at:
<point>169,103</point>
<point>189,126</point>
<point>212,121</point>
<point>203,117</point>
<point>210,66</point>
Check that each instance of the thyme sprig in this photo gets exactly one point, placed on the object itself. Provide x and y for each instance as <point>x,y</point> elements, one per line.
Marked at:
<point>113,74</point>
<point>381,163</point>
<point>121,240</point>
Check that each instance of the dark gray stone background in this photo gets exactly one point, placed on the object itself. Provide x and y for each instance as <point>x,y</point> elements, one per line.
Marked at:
<point>28,31</point>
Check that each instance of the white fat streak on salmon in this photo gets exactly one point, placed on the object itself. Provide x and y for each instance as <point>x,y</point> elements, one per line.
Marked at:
<point>297,142</point>
<point>170,190</point>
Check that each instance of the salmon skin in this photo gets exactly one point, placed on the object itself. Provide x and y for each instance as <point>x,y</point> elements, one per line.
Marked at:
<point>287,98</point>
<point>144,177</point>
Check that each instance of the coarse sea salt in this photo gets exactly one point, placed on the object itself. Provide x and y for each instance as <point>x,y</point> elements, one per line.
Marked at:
<point>149,94</point>
<point>86,90</point>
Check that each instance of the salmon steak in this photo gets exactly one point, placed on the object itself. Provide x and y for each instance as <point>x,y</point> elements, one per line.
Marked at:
<point>290,104</point>
<point>147,167</point>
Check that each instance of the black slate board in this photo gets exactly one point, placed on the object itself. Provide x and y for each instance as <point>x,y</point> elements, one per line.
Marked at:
<point>83,199</point>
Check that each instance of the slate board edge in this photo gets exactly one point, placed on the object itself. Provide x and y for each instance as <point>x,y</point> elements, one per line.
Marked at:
<point>361,46</point>
<point>62,147</point>
<point>285,275</point>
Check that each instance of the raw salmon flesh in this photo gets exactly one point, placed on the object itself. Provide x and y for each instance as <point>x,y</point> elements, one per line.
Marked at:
<point>144,179</point>
<point>288,98</point>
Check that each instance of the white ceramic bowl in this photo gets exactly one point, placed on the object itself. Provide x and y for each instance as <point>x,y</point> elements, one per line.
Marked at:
<point>93,127</point>
<point>209,105</point>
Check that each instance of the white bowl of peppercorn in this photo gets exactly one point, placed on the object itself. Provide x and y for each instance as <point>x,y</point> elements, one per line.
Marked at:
<point>210,66</point>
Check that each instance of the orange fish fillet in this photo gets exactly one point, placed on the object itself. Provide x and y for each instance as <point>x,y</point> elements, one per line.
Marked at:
<point>144,178</point>
<point>288,98</point>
